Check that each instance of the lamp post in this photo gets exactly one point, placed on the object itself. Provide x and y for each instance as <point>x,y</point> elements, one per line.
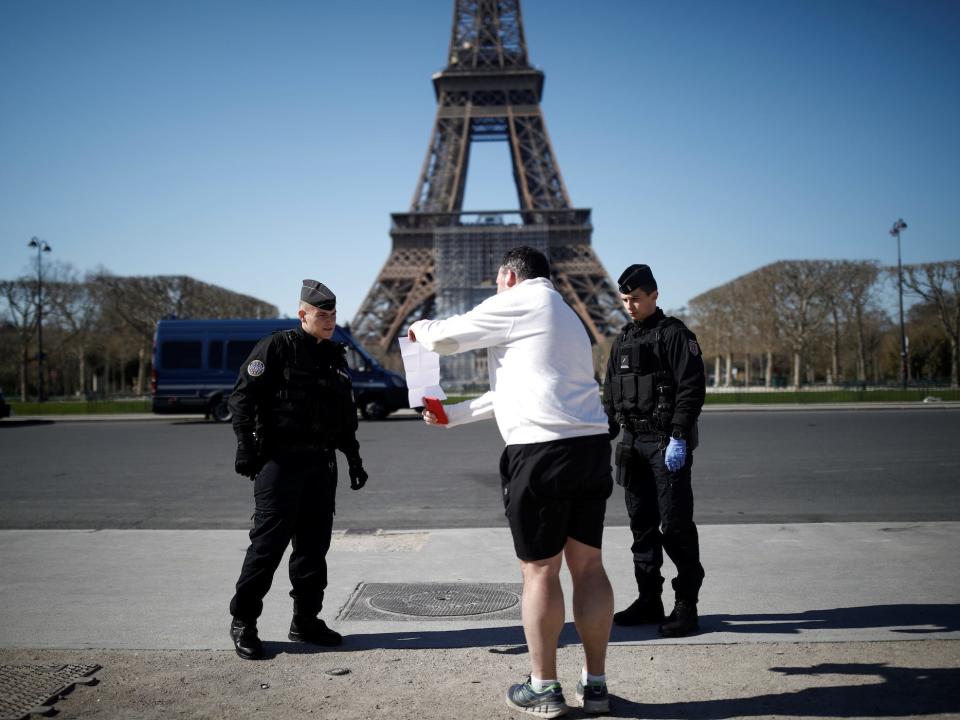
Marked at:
<point>898,227</point>
<point>41,247</point>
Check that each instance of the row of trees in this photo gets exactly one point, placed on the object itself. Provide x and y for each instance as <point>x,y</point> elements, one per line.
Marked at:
<point>98,328</point>
<point>826,319</point>
<point>798,321</point>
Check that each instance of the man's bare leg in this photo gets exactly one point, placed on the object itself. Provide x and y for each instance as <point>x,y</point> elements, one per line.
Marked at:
<point>592,602</point>
<point>543,613</point>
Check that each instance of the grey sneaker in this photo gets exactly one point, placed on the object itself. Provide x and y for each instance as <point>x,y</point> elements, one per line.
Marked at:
<point>548,703</point>
<point>593,698</point>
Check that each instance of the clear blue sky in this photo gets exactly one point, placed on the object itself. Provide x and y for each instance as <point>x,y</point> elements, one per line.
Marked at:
<point>252,144</point>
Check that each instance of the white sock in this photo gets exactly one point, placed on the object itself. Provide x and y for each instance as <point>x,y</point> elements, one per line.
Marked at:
<point>588,679</point>
<point>539,684</point>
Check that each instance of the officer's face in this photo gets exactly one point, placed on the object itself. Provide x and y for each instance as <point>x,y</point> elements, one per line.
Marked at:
<point>318,323</point>
<point>639,305</point>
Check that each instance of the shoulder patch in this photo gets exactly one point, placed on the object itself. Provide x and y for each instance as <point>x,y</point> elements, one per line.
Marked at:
<point>256,368</point>
<point>694,348</point>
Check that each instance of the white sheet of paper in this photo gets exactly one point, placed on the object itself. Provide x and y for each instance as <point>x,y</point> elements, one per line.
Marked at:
<point>422,370</point>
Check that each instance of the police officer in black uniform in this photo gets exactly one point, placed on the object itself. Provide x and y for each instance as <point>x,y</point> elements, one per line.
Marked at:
<point>292,408</point>
<point>654,391</point>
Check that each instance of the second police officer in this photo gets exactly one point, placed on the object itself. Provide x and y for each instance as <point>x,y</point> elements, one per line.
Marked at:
<point>654,390</point>
<point>292,409</point>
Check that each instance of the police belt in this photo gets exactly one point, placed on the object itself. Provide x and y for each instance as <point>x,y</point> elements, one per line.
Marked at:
<point>641,426</point>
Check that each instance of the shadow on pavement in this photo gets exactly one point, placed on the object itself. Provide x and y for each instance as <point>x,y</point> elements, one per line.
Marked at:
<point>912,619</point>
<point>508,640</point>
<point>24,423</point>
<point>895,692</point>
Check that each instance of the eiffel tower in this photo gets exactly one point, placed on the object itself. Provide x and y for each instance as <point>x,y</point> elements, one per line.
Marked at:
<point>444,259</point>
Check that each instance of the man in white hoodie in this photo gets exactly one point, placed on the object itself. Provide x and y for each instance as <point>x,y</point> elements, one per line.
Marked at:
<point>555,468</point>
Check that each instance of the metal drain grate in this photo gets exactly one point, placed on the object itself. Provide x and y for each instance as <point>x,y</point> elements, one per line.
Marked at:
<point>26,689</point>
<point>433,601</point>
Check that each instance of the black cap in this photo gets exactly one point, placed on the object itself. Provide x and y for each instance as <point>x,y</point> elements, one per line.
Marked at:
<point>636,276</point>
<point>317,294</point>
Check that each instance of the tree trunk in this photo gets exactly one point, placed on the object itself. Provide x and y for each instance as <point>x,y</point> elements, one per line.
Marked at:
<point>768,374</point>
<point>23,375</point>
<point>746,370</point>
<point>82,369</point>
<point>716,372</point>
<point>835,375</point>
<point>728,374</point>
<point>141,369</point>
<point>861,351</point>
<point>954,363</point>
<point>796,370</point>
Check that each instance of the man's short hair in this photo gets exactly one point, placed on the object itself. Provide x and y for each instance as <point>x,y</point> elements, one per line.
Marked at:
<point>526,262</point>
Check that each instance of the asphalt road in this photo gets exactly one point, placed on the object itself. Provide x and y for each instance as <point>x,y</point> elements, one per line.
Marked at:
<point>752,467</point>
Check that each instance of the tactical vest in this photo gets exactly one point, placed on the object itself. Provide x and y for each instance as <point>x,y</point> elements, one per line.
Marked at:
<point>313,401</point>
<point>643,388</point>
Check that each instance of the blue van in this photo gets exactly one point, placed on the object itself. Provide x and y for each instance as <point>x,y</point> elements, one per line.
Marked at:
<point>195,365</point>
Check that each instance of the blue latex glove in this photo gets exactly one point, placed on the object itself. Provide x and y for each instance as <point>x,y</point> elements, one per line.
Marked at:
<point>676,454</point>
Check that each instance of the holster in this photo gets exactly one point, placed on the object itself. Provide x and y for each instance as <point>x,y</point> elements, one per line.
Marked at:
<point>624,459</point>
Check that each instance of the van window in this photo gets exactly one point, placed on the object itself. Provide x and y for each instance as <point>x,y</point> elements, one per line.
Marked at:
<point>180,354</point>
<point>237,352</point>
<point>215,355</point>
<point>356,361</point>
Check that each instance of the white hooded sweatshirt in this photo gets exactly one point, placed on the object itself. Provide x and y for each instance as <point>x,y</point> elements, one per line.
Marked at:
<point>542,384</point>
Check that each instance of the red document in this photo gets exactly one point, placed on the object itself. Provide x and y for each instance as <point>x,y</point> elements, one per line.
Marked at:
<point>436,407</point>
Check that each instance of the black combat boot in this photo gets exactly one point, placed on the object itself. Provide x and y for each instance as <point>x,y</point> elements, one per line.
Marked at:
<point>306,628</point>
<point>682,621</point>
<point>245,639</point>
<point>643,611</point>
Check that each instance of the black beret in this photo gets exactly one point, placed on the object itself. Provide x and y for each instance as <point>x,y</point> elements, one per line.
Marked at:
<point>636,276</point>
<point>317,294</point>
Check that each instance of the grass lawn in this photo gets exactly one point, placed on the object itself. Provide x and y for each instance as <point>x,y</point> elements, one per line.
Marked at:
<point>830,396</point>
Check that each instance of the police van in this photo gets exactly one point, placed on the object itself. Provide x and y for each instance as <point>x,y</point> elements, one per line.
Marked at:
<point>195,366</point>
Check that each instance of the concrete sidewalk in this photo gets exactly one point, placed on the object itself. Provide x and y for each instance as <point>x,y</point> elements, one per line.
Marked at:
<point>826,620</point>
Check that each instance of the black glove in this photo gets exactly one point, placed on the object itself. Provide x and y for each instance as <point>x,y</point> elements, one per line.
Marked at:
<point>358,476</point>
<point>248,462</point>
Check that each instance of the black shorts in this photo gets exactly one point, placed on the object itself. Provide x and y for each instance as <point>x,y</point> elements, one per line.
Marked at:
<point>556,490</point>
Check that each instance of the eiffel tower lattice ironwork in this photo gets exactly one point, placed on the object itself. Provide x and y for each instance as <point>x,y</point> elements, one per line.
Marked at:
<point>443,258</point>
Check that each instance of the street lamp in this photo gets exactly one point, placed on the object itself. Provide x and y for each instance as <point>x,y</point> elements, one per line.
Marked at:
<point>898,227</point>
<point>42,247</point>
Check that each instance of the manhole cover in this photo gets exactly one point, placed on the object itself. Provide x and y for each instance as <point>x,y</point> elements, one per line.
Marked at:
<point>400,601</point>
<point>26,689</point>
<point>444,600</point>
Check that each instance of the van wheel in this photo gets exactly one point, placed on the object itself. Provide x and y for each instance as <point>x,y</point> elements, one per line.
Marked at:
<point>373,410</point>
<point>220,410</point>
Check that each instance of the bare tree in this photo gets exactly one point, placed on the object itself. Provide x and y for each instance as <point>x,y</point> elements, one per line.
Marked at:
<point>19,299</point>
<point>801,309</point>
<point>833,282</point>
<point>939,284</point>
<point>75,308</point>
<point>759,294</point>
<point>858,299</point>
<point>141,301</point>
<point>710,315</point>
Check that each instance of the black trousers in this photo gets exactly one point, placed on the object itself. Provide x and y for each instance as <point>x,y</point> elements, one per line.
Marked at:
<point>660,506</point>
<point>295,502</point>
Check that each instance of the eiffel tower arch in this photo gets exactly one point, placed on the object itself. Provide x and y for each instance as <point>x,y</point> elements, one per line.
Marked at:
<point>444,258</point>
